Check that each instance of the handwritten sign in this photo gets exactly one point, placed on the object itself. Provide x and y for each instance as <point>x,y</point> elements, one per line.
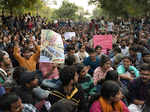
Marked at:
<point>103,40</point>
<point>69,35</point>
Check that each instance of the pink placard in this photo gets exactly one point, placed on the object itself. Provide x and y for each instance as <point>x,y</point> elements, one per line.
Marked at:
<point>103,40</point>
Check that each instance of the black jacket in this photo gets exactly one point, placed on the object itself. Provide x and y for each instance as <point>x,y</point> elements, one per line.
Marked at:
<point>77,96</point>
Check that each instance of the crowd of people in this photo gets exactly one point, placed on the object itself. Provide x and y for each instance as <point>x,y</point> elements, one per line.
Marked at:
<point>89,80</point>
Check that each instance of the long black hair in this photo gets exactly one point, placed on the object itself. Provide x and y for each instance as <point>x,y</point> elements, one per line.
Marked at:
<point>112,75</point>
<point>109,89</point>
<point>103,60</point>
<point>6,101</point>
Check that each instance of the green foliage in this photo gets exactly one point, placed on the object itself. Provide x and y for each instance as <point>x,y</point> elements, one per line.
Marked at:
<point>123,7</point>
<point>19,7</point>
<point>16,5</point>
<point>67,10</point>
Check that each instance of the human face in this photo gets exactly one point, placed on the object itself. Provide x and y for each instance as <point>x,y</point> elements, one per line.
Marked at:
<point>72,52</point>
<point>118,97</point>
<point>34,83</point>
<point>98,51</point>
<point>126,63</point>
<point>17,106</point>
<point>145,75</point>
<point>123,43</point>
<point>7,61</point>
<point>107,65</point>
<point>82,49</point>
<point>93,56</point>
<point>5,40</point>
<point>27,54</point>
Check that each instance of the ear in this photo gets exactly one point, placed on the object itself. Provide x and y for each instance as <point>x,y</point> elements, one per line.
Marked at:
<point>27,85</point>
<point>111,98</point>
<point>71,82</point>
<point>1,64</point>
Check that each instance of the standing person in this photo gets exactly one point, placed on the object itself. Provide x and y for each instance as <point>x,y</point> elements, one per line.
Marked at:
<point>110,26</point>
<point>92,61</point>
<point>92,26</point>
<point>124,48</point>
<point>28,60</point>
<point>68,89</point>
<point>30,25</point>
<point>110,99</point>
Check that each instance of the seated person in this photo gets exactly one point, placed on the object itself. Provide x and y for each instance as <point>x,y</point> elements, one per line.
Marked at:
<point>68,89</point>
<point>146,57</point>
<point>86,81</point>
<point>28,81</point>
<point>92,61</point>
<point>64,105</point>
<point>101,71</point>
<point>146,106</point>
<point>110,99</point>
<point>138,87</point>
<point>12,103</point>
<point>113,75</point>
<point>117,57</point>
<point>126,71</point>
<point>81,54</point>
<point>98,50</point>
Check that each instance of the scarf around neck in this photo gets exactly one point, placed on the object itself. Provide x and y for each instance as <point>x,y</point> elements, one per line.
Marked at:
<point>106,107</point>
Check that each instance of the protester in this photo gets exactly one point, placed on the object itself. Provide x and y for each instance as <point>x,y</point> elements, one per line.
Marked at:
<point>92,61</point>
<point>98,50</point>
<point>110,99</point>
<point>82,54</point>
<point>28,60</point>
<point>64,105</point>
<point>28,81</point>
<point>86,81</point>
<point>100,72</point>
<point>113,75</point>
<point>20,41</point>
<point>138,87</point>
<point>126,71</point>
<point>117,58</point>
<point>12,103</point>
<point>68,89</point>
